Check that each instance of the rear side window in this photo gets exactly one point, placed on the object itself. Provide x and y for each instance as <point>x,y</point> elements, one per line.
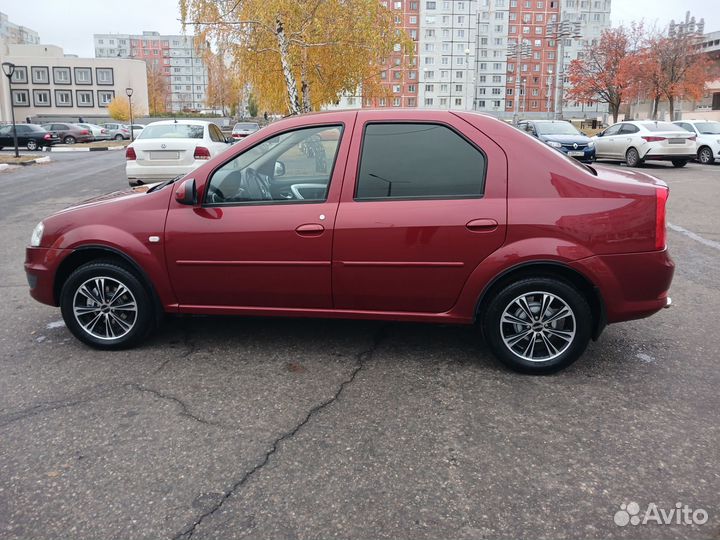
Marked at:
<point>401,161</point>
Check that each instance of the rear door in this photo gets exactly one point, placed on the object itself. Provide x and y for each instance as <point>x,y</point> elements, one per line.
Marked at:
<point>423,204</point>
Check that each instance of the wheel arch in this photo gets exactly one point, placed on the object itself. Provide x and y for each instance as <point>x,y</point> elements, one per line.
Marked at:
<point>552,269</point>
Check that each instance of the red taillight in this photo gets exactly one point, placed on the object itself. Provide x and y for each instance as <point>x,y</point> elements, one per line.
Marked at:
<point>201,153</point>
<point>693,138</point>
<point>236,135</point>
<point>130,153</point>
<point>650,138</point>
<point>103,131</point>
<point>661,196</point>
<point>84,132</point>
<point>47,136</point>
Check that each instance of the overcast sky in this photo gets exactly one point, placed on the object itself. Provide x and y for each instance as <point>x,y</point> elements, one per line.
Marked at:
<point>71,24</point>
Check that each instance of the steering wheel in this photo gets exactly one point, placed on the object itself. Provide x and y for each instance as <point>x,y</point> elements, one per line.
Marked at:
<point>215,195</point>
<point>253,187</point>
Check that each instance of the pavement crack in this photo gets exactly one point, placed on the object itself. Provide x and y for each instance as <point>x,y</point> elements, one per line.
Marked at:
<point>188,343</point>
<point>184,409</point>
<point>361,360</point>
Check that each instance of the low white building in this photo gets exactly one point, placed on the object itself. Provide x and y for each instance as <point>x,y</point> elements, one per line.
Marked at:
<point>47,83</point>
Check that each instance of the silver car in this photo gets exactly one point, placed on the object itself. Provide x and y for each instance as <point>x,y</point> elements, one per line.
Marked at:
<point>99,133</point>
<point>638,142</point>
<point>117,131</point>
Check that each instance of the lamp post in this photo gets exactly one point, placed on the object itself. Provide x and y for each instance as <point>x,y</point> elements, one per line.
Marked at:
<point>129,93</point>
<point>561,31</point>
<point>519,51</point>
<point>8,69</point>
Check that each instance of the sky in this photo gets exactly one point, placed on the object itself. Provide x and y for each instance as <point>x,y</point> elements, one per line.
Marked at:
<point>71,23</point>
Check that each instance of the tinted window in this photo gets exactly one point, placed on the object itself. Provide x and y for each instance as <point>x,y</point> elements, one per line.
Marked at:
<point>418,160</point>
<point>628,129</point>
<point>612,130</point>
<point>173,131</point>
<point>246,126</point>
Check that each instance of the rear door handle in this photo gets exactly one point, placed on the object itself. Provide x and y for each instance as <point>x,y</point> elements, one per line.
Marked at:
<point>310,229</point>
<point>482,225</point>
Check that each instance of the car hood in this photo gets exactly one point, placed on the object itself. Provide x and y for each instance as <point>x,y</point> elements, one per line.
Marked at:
<point>565,139</point>
<point>113,197</point>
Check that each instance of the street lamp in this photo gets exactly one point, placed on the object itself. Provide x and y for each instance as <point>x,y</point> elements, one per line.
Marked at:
<point>8,69</point>
<point>561,31</point>
<point>519,51</point>
<point>129,93</point>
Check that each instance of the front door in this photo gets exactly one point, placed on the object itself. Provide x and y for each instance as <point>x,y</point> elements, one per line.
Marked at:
<point>423,204</point>
<point>606,146</point>
<point>263,235</point>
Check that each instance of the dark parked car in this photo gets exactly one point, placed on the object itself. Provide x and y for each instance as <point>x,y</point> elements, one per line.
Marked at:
<point>70,133</point>
<point>30,136</point>
<point>411,215</point>
<point>561,136</point>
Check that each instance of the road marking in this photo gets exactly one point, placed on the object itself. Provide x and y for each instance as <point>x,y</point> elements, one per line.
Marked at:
<point>694,236</point>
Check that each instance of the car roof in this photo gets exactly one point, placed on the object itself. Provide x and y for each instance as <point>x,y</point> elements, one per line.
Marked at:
<point>181,121</point>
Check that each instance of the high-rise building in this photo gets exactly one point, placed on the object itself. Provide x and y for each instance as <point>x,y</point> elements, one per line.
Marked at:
<point>174,56</point>
<point>16,34</point>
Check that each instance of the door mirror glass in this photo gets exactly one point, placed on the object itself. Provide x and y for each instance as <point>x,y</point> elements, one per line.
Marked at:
<point>279,169</point>
<point>186,193</point>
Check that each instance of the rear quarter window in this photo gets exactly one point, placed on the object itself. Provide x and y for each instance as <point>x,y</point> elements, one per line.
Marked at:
<point>418,160</point>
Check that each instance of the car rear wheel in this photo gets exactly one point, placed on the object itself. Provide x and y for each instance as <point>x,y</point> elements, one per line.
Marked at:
<point>632,158</point>
<point>538,325</point>
<point>32,144</point>
<point>705,156</point>
<point>69,139</point>
<point>106,306</point>
<point>677,163</point>
<point>118,137</point>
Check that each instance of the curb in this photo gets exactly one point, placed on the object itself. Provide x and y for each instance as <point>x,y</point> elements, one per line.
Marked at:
<point>44,159</point>
<point>86,149</point>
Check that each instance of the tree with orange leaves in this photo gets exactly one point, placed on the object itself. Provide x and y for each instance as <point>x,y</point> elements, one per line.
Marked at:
<point>603,74</point>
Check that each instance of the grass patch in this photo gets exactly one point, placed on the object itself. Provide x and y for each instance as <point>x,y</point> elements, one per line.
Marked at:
<point>12,160</point>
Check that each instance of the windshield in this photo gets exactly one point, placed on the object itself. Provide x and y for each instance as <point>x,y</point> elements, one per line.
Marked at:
<point>245,126</point>
<point>661,126</point>
<point>708,128</point>
<point>173,131</point>
<point>556,128</point>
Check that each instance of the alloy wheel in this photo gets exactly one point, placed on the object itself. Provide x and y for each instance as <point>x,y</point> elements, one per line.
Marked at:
<point>705,156</point>
<point>105,308</point>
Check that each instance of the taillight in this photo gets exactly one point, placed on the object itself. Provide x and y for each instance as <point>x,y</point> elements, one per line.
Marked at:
<point>103,131</point>
<point>661,196</point>
<point>84,132</point>
<point>47,136</point>
<point>651,138</point>
<point>130,153</point>
<point>201,153</point>
<point>693,138</point>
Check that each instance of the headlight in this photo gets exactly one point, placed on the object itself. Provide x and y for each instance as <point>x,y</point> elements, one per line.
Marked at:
<point>554,144</point>
<point>591,144</point>
<point>37,233</point>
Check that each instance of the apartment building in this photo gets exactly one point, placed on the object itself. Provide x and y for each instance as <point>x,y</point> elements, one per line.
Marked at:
<point>47,83</point>
<point>174,56</point>
<point>16,34</point>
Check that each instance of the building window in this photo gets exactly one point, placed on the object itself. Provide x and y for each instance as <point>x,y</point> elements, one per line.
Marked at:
<point>104,76</point>
<point>41,98</point>
<point>105,97</point>
<point>63,98</point>
<point>40,75</point>
<point>21,98</point>
<point>20,75</point>
<point>83,76</point>
<point>84,98</point>
<point>61,75</point>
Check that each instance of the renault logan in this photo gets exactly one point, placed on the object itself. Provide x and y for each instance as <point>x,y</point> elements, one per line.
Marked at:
<point>423,216</point>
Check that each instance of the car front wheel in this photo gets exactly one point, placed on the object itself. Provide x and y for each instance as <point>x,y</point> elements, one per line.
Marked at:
<point>538,325</point>
<point>106,306</point>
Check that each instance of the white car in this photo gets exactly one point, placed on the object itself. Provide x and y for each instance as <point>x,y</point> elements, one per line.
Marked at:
<point>708,138</point>
<point>136,130</point>
<point>99,132</point>
<point>169,148</point>
<point>243,129</point>
<point>637,142</point>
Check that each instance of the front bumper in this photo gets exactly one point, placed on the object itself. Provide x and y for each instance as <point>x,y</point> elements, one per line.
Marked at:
<point>40,267</point>
<point>588,154</point>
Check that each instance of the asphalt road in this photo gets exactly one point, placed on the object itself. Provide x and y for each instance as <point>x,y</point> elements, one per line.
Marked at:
<point>253,428</point>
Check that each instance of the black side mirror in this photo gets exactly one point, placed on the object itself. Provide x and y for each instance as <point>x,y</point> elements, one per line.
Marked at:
<point>601,133</point>
<point>186,193</point>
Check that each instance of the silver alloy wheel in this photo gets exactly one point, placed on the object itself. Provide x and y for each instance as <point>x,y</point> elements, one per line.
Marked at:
<point>105,308</point>
<point>706,156</point>
<point>538,326</point>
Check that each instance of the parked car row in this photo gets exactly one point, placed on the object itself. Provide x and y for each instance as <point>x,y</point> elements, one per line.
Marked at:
<point>633,142</point>
<point>34,136</point>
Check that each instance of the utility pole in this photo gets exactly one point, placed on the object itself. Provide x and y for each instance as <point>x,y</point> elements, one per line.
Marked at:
<point>519,51</point>
<point>561,31</point>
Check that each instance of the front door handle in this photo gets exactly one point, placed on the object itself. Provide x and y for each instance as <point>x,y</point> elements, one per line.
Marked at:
<point>310,229</point>
<point>482,225</point>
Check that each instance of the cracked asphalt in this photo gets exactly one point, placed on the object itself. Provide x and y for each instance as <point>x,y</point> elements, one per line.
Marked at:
<point>315,429</point>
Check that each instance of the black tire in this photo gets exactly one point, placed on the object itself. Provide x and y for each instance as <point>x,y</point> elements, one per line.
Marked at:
<point>32,145</point>
<point>69,140</point>
<point>678,163</point>
<point>141,323</point>
<point>566,352</point>
<point>705,156</point>
<point>119,137</point>
<point>632,158</point>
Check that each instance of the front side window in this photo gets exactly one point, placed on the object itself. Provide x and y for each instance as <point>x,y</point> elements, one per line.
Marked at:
<point>291,167</point>
<point>416,160</point>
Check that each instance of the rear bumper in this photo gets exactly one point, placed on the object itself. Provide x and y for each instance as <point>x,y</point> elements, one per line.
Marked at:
<point>632,285</point>
<point>156,173</point>
<point>666,155</point>
<point>40,267</point>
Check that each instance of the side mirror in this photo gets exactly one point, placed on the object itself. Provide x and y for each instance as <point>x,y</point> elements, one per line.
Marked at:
<point>186,193</point>
<point>279,169</point>
<point>601,133</point>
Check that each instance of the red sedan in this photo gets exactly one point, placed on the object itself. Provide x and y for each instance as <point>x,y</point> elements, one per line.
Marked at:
<point>422,216</point>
